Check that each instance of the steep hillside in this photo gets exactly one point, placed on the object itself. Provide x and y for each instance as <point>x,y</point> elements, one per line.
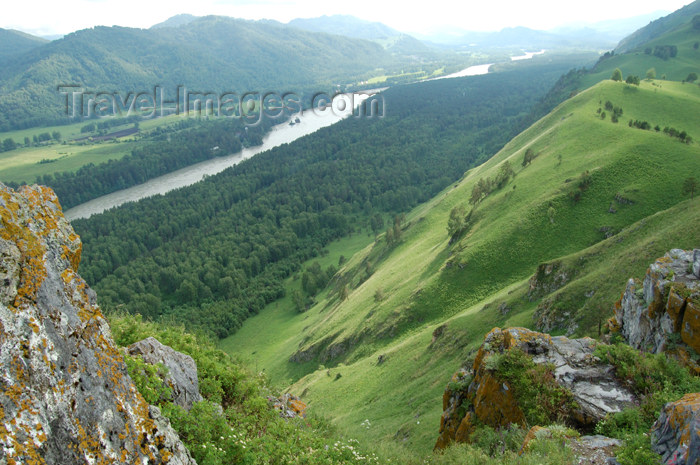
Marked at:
<point>669,46</point>
<point>412,311</point>
<point>658,28</point>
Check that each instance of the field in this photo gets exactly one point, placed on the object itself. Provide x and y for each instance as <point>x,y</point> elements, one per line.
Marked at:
<point>22,164</point>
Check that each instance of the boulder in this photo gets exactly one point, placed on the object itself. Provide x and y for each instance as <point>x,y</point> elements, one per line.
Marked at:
<point>182,370</point>
<point>676,434</point>
<point>667,302</point>
<point>288,406</point>
<point>65,395</point>
<point>479,395</point>
<point>591,450</point>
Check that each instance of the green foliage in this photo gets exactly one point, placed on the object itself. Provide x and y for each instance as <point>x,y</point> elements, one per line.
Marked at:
<point>656,378</point>
<point>247,430</point>
<point>150,380</point>
<point>616,75</point>
<point>690,185</point>
<point>651,73</point>
<point>665,51</point>
<point>636,450</point>
<point>456,222</point>
<point>528,157</point>
<point>692,77</point>
<point>495,443</point>
<point>632,79</point>
<point>538,394</point>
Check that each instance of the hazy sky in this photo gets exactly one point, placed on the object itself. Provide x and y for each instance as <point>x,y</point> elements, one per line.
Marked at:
<point>63,16</point>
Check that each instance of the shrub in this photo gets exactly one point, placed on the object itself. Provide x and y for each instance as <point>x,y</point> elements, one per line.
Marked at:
<point>534,386</point>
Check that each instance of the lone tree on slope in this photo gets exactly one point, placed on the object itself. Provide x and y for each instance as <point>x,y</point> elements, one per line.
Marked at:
<point>690,185</point>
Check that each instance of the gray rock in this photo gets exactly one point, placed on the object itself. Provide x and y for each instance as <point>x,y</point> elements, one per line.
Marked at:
<point>696,262</point>
<point>471,395</point>
<point>676,434</point>
<point>65,395</point>
<point>645,315</point>
<point>599,442</point>
<point>182,370</point>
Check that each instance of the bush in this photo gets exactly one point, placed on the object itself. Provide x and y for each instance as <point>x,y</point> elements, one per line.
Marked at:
<point>541,398</point>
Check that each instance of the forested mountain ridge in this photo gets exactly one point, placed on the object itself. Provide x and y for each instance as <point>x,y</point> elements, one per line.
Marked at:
<point>210,54</point>
<point>15,43</point>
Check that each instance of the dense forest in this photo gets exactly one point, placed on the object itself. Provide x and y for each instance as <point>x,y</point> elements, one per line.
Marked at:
<point>216,252</point>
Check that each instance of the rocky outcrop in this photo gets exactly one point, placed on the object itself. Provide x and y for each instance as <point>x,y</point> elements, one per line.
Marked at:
<point>65,395</point>
<point>676,434</point>
<point>548,278</point>
<point>480,395</point>
<point>667,303</point>
<point>182,370</point>
<point>591,450</point>
<point>288,406</point>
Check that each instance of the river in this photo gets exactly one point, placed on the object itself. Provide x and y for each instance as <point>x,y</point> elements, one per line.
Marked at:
<point>310,121</point>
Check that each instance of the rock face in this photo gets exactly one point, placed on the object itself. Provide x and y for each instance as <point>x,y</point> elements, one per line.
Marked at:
<point>666,303</point>
<point>676,434</point>
<point>65,395</point>
<point>478,394</point>
<point>182,370</point>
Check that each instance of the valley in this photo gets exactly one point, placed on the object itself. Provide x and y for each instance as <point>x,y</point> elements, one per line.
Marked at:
<point>481,250</point>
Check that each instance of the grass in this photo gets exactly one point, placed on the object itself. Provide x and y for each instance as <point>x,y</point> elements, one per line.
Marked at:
<point>428,284</point>
<point>22,165</point>
<point>637,62</point>
<point>282,318</point>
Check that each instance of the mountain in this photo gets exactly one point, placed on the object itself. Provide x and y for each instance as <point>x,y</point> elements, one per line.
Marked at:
<point>658,28</point>
<point>214,54</point>
<point>600,35</point>
<point>176,21</point>
<point>346,25</point>
<point>392,40</point>
<point>14,43</point>
<point>667,48</point>
<point>611,30</point>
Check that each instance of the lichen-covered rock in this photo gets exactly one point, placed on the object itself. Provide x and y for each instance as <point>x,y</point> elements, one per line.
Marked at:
<point>182,369</point>
<point>667,302</point>
<point>288,406</point>
<point>479,394</point>
<point>65,395</point>
<point>676,434</point>
<point>548,278</point>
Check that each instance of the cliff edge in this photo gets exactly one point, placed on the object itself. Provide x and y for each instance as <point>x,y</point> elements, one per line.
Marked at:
<point>65,395</point>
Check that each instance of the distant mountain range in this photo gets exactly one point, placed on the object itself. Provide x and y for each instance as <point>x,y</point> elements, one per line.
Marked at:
<point>604,34</point>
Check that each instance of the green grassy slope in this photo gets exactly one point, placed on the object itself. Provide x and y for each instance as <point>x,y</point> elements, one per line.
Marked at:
<point>399,296</point>
<point>684,36</point>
